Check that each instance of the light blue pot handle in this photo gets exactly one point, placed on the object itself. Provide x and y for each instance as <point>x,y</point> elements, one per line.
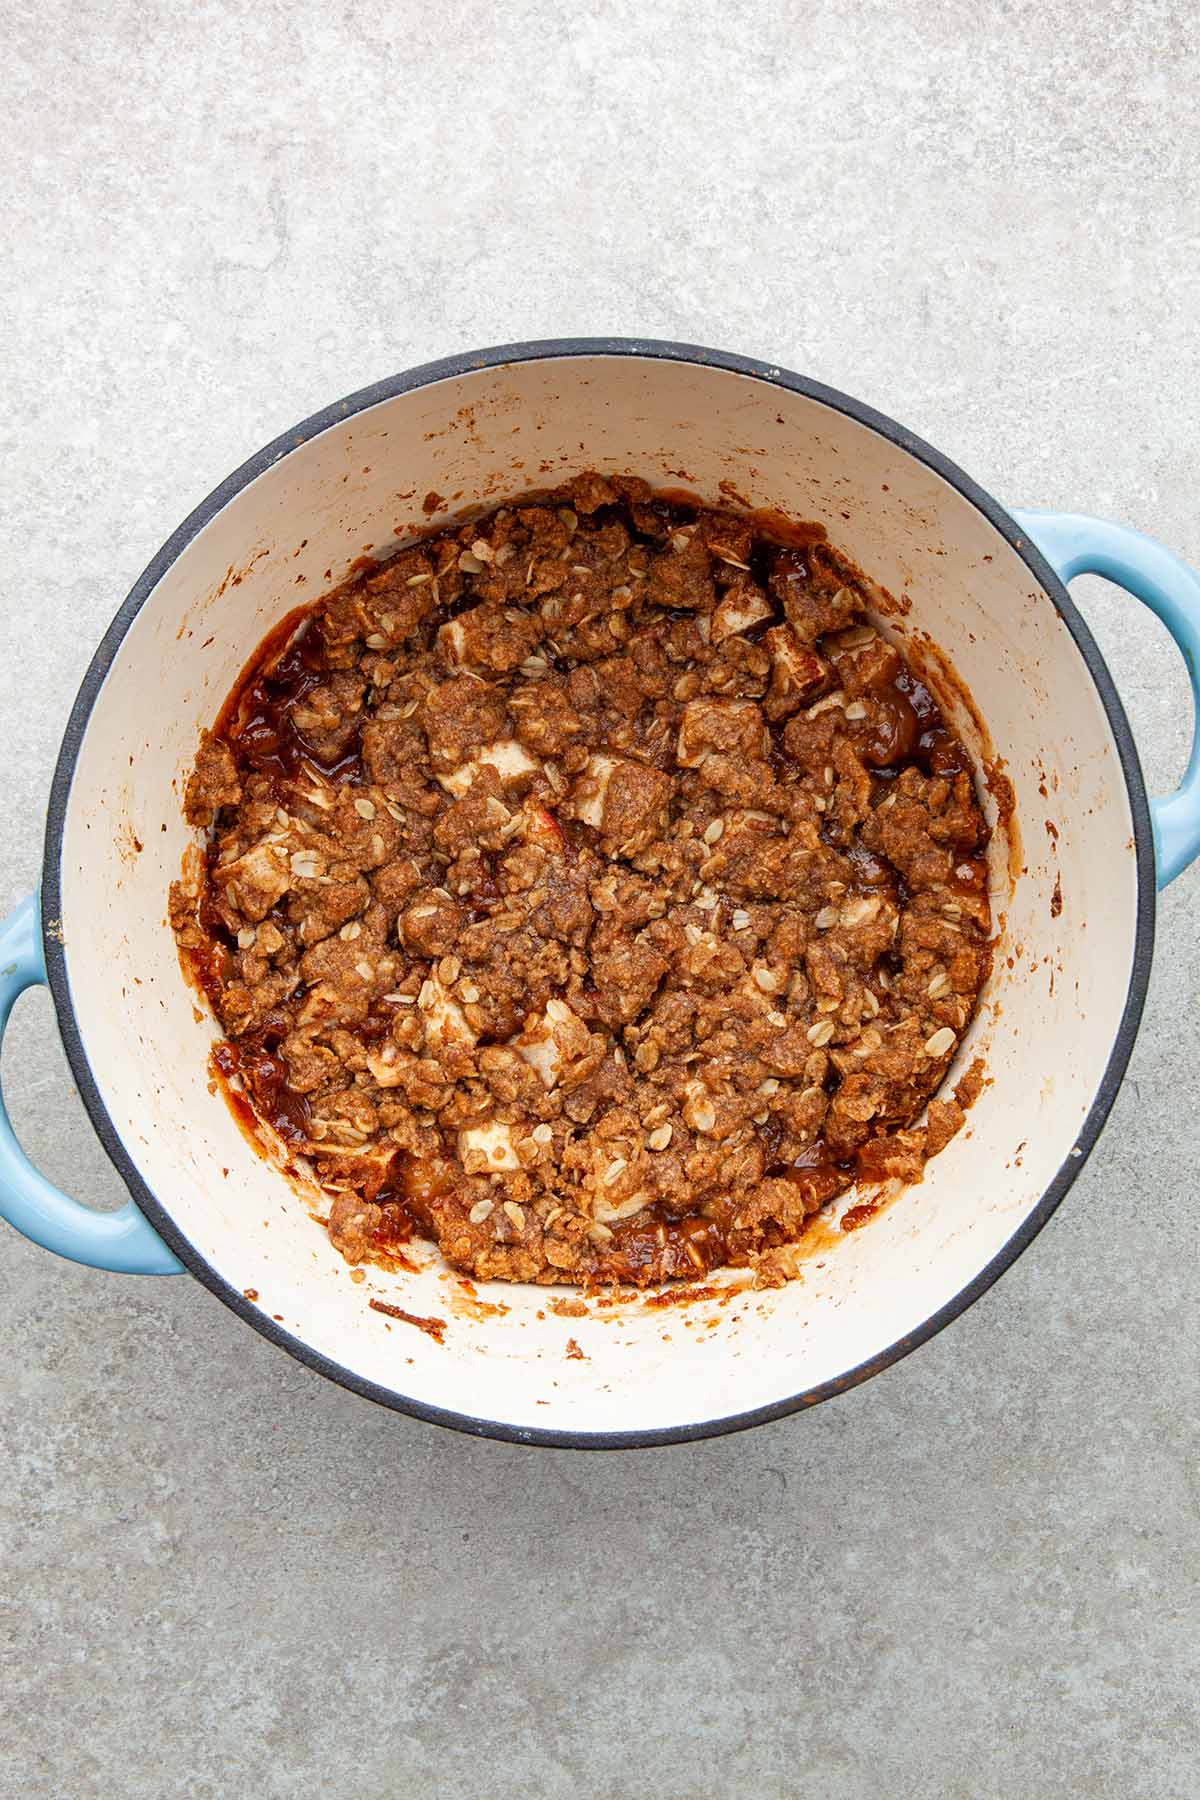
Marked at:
<point>119,1240</point>
<point>1075,545</point>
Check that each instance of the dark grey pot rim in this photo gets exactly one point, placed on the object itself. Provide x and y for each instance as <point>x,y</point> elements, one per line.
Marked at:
<point>424,376</point>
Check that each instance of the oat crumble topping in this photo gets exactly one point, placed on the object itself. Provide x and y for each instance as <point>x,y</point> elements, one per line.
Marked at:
<point>592,889</point>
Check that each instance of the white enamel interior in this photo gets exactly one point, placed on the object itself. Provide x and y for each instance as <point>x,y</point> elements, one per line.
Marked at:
<point>1051,1013</point>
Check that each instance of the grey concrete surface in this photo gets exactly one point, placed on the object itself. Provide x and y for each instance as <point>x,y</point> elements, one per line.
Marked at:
<point>976,1575</point>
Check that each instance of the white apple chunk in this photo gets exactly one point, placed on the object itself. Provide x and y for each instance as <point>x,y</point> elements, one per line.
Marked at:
<point>445,1020</point>
<point>493,1141</point>
<point>511,761</point>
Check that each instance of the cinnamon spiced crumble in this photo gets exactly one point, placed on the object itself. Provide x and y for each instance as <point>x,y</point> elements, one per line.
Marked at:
<point>593,890</point>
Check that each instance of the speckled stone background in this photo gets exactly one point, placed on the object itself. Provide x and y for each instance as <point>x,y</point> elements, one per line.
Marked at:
<point>974,1576</point>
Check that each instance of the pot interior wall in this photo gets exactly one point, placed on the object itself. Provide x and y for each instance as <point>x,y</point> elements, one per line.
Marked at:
<point>1051,1013</point>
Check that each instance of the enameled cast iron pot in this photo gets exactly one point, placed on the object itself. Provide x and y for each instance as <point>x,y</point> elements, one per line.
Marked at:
<point>1055,1029</point>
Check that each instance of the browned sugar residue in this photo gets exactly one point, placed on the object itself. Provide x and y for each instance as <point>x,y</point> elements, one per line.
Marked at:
<point>433,502</point>
<point>129,845</point>
<point>1056,900</point>
<point>798,534</point>
<point>464,1303</point>
<point>564,1308</point>
<point>434,1328</point>
<point>234,577</point>
<point>678,496</point>
<point>819,1236</point>
<point>574,1353</point>
<point>687,1296</point>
